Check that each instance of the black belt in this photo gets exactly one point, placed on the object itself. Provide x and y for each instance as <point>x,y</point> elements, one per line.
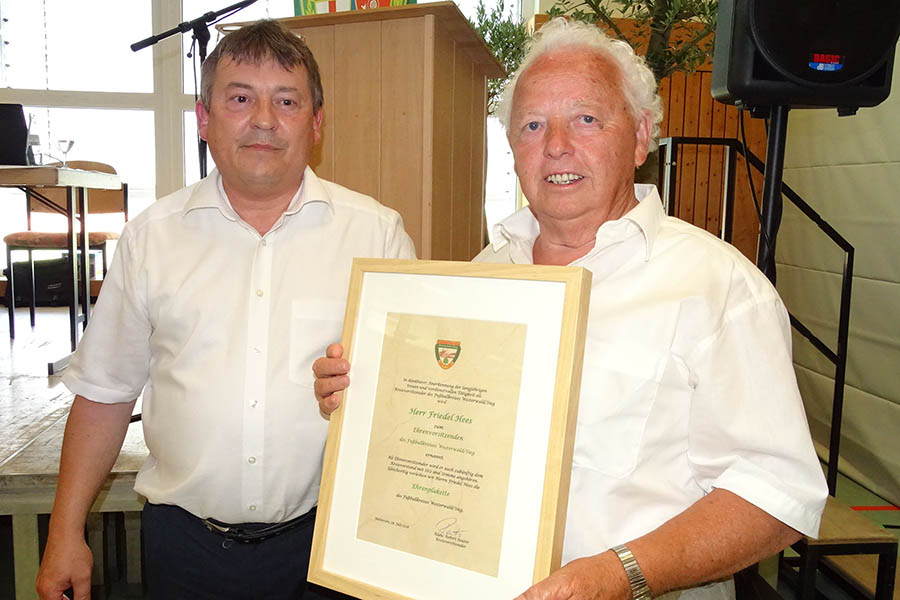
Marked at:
<point>250,533</point>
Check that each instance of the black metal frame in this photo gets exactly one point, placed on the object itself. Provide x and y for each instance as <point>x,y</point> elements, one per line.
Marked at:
<point>810,560</point>
<point>810,554</point>
<point>76,204</point>
<point>668,172</point>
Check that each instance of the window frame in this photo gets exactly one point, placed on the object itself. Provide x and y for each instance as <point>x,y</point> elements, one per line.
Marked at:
<point>167,107</point>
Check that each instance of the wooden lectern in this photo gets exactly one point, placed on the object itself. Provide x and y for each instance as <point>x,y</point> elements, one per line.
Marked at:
<point>405,109</point>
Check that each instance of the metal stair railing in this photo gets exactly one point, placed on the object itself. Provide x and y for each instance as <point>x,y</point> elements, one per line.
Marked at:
<point>668,173</point>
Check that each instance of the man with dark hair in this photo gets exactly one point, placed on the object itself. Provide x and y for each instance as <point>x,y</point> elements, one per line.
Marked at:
<point>219,298</point>
<point>266,40</point>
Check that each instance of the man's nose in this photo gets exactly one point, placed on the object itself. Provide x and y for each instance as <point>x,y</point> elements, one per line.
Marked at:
<point>264,115</point>
<point>558,141</point>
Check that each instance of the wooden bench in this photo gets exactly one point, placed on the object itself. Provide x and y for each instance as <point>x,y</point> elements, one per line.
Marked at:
<point>28,480</point>
<point>860,572</point>
<point>845,537</point>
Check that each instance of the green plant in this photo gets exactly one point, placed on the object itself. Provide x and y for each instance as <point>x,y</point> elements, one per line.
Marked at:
<point>506,36</point>
<point>678,34</point>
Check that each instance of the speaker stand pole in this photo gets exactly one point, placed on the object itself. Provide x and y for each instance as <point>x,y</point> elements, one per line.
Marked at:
<point>772,200</point>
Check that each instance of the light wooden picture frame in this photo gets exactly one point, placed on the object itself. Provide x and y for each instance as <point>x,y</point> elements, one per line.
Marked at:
<point>447,466</point>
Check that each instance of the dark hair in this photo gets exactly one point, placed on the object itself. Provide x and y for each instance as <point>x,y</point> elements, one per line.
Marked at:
<point>256,43</point>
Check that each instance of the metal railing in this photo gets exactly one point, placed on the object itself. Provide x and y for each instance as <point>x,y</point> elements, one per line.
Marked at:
<point>668,175</point>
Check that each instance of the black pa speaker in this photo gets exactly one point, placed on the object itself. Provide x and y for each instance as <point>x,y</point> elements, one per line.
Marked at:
<point>805,53</point>
<point>14,140</point>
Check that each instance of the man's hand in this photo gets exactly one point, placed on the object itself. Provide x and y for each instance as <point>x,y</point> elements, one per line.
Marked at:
<point>66,564</point>
<point>593,578</point>
<point>716,536</point>
<point>331,378</point>
<point>93,438</point>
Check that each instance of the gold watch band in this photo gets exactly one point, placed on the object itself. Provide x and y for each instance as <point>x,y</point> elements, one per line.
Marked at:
<point>639,588</point>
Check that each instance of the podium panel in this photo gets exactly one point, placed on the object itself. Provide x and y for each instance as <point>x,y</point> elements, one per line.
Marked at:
<point>405,109</point>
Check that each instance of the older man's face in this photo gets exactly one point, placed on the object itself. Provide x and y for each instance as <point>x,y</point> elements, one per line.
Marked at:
<point>575,141</point>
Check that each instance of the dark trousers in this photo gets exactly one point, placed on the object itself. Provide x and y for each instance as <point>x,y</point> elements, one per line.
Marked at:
<point>186,561</point>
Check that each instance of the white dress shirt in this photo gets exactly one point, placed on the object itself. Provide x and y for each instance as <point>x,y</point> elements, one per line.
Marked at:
<point>688,383</point>
<point>222,325</point>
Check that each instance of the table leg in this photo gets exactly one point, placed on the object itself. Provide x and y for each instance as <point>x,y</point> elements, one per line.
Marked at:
<point>133,547</point>
<point>73,267</point>
<point>26,557</point>
<point>887,567</point>
<point>55,367</point>
<point>11,290</point>
<point>32,306</point>
<point>84,259</point>
<point>806,583</point>
<point>95,543</point>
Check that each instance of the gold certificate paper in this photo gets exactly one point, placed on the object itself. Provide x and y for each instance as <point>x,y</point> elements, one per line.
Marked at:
<point>441,440</point>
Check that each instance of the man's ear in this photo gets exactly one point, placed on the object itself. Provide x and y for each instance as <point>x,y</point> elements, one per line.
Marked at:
<point>317,126</point>
<point>202,118</point>
<point>643,133</point>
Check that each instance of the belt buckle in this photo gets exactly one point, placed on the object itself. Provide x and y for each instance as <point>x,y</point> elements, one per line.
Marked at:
<point>241,535</point>
<point>216,528</point>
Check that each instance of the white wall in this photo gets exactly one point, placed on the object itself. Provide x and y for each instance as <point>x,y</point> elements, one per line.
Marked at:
<point>848,169</point>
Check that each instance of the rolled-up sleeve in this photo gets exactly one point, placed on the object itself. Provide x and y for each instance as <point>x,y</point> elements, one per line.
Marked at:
<point>112,362</point>
<point>748,429</point>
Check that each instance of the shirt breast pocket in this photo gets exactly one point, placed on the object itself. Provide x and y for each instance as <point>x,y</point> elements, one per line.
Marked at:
<point>618,389</point>
<point>315,323</point>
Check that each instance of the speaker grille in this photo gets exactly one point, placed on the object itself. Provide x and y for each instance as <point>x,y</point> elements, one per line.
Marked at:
<point>825,42</point>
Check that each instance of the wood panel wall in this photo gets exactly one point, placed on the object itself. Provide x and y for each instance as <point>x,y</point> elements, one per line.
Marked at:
<point>458,152</point>
<point>691,111</point>
<point>405,104</point>
<point>371,139</point>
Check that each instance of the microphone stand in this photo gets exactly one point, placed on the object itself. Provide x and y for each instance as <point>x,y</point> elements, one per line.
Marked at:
<point>200,29</point>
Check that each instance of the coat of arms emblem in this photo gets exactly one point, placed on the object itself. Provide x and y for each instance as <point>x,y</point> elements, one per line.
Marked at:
<point>446,353</point>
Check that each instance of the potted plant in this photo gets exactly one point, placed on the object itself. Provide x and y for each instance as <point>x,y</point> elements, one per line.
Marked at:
<point>673,35</point>
<point>506,36</point>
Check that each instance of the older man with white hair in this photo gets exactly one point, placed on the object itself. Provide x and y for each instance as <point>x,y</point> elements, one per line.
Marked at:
<point>692,455</point>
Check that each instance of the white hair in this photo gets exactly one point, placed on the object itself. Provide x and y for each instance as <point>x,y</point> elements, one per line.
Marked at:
<point>638,82</point>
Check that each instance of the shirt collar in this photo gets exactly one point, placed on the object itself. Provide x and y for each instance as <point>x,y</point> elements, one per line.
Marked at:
<point>522,227</point>
<point>210,193</point>
<point>648,215</point>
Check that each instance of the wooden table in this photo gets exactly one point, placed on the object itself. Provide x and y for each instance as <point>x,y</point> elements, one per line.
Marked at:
<point>28,478</point>
<point>76,182</point>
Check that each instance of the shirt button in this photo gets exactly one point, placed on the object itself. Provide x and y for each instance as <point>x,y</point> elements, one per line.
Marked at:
<point>252,507</point>
<point>252,460</point>
<point>259,293</point>
<point>257,350</point>
<point>264,243</point>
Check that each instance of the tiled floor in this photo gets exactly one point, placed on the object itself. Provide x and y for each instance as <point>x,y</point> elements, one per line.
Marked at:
<point>24,383</point>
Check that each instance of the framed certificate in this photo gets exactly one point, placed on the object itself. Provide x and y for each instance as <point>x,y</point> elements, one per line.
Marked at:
<point>446,470</point>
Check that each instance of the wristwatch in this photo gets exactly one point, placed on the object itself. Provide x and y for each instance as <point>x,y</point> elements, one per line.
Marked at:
<point>639,588</point>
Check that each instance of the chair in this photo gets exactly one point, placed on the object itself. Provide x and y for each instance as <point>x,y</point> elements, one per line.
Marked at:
<point>99,201</point>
